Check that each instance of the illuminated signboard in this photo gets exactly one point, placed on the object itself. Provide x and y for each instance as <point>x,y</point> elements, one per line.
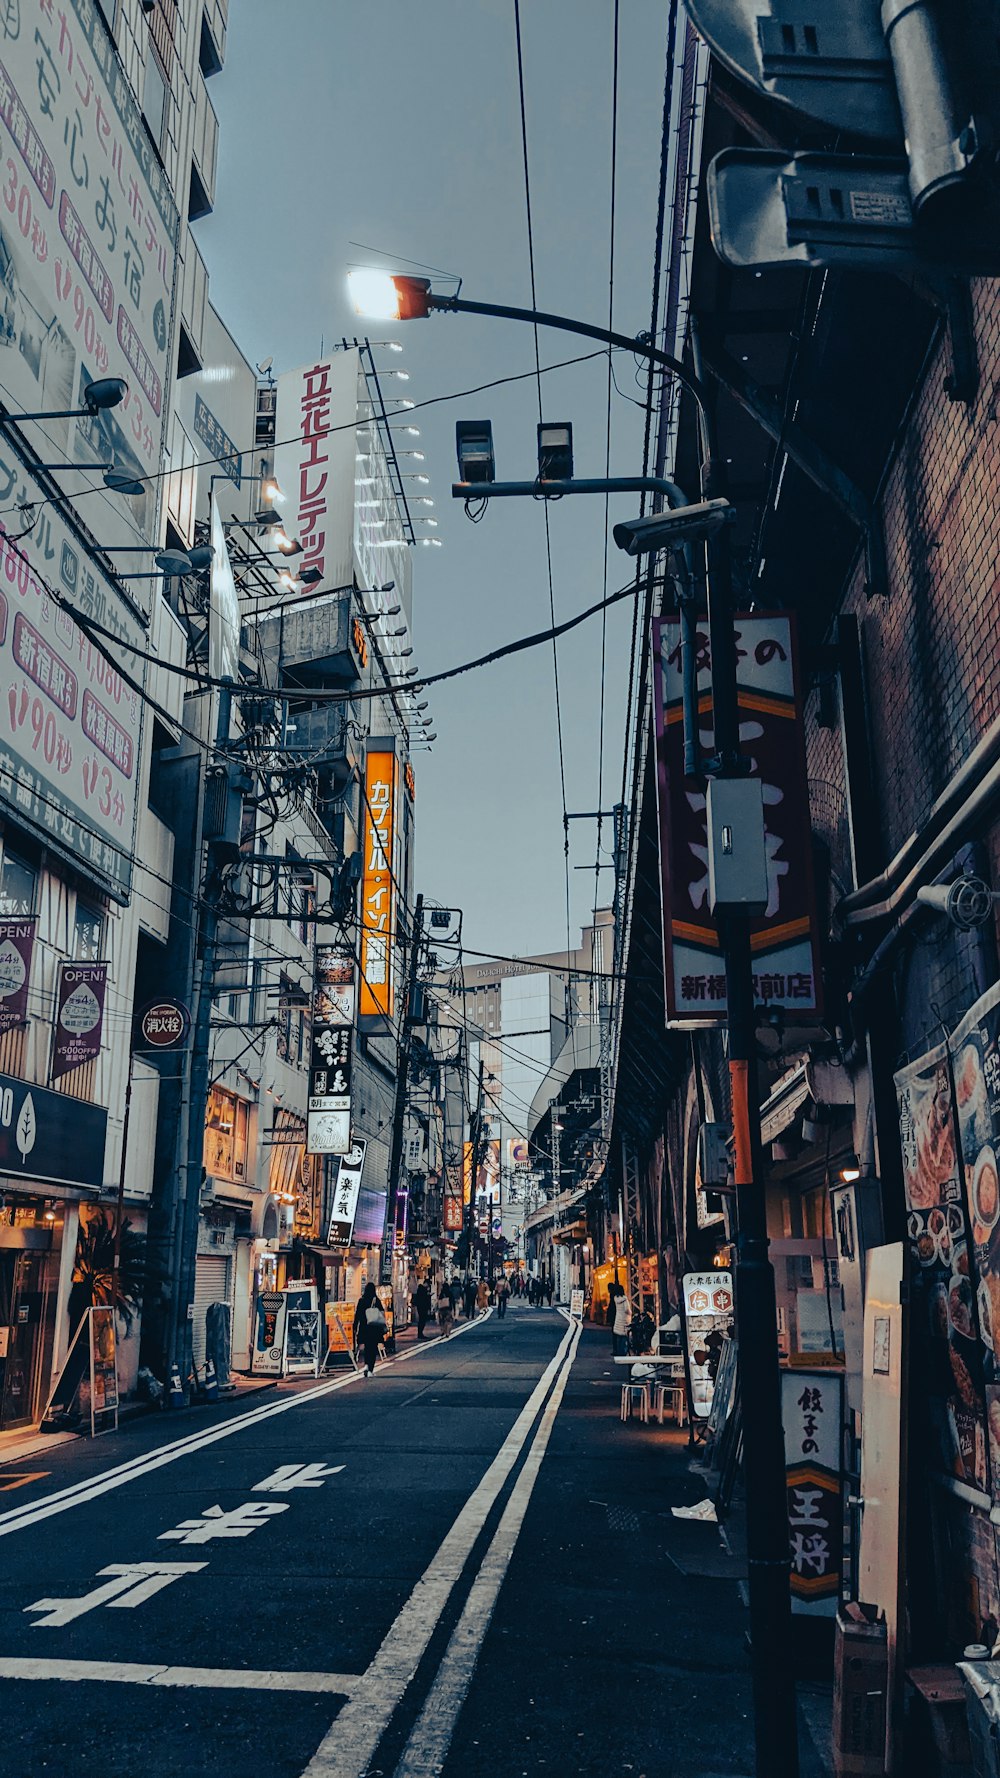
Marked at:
<point>378,893</point>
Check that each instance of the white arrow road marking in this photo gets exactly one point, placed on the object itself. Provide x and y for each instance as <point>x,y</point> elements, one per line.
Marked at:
<point>210,1678</point>
<point>134,1583</point>
<point>239,1521</point>
<point>19,1518</point>
<point>296,1475</point>
<point>351,1741</point>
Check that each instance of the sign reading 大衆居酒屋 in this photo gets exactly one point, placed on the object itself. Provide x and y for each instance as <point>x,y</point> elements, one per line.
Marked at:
<point>811,1414</point>
<point>784,938</point>
<point>17,942</point>
<point>328,1116</point>
<point>346,1188</point>
<point>88,240</point>
<point>79,1016</point>
<point>378,891</point>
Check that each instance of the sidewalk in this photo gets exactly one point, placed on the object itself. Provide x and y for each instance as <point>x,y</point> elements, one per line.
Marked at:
<point>634,1618</point>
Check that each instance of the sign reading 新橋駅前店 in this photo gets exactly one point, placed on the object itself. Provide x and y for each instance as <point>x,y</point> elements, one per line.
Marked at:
<point>783,938</point>
<point>378,887</point>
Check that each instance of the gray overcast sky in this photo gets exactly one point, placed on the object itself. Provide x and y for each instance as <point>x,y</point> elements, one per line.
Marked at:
<point>397,124</point>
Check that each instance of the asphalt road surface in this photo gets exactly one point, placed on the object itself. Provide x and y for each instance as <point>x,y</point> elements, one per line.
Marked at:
<point>305,1587</point>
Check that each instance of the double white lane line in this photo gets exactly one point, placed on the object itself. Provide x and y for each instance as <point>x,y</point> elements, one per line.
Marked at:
<point>350,1744</point>
<point>19,1518</point>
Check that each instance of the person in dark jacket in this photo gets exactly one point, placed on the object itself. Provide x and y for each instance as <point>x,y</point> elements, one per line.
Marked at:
<point>469,1298</point>
<point>422,1306</point>
<point>369,1332</point>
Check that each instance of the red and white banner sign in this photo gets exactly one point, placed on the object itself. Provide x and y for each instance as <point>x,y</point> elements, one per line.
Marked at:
<point>314,463</point>
<point>783,939</point>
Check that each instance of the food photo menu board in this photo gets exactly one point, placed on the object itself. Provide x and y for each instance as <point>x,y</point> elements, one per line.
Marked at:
<point>975,1051</point>
<point>947,1345</point>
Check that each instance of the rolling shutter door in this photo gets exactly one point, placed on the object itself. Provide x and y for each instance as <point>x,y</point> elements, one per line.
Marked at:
<point>212,1284</point>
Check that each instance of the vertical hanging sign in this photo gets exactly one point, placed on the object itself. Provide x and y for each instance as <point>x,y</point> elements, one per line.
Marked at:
<point>79,1015</point>
<point>784,938</point>
<point>17,940</point>
<point>378,895</point>
<point>328,1118</point>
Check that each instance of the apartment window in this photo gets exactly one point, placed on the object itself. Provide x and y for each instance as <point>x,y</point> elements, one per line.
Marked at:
<point>154,99</point>
<point>17,888</point>
<point>88,934</point>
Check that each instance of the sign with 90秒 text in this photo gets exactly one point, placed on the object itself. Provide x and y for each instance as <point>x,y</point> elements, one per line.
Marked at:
<point>88,238</point>
<point>378,894</point>
<point>783,938</point>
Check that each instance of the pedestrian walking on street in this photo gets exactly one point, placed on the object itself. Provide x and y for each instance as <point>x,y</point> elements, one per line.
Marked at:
<point>369,1327</point>
<point>469,1299</point>
<point>422,1305</point>
<point>482,1296</point>
<point>548,1290</point>
<point>455,1292</point>
<point>620,1325</point>
<point>445,1313</point>
<point>503,1292</point>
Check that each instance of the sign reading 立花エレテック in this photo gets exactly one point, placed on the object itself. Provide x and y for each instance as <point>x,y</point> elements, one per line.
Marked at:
<point>88,257</point>
<point>784,938</point>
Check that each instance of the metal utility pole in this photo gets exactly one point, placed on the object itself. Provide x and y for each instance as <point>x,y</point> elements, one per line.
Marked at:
<point>776,1732</point>
<point>475,1141</point>
<point>402,1085</point>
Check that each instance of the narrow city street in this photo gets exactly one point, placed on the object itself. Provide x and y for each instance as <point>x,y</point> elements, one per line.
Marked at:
<point>337,1550</point>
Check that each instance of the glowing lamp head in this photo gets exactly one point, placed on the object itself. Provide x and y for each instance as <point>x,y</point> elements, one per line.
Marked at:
<point>384,297</point>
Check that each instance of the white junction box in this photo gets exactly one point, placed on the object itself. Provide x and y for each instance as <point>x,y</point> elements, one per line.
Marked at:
<point>737,856</point>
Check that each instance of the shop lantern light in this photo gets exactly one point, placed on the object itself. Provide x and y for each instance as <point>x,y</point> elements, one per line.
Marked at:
<point>851,1170</point>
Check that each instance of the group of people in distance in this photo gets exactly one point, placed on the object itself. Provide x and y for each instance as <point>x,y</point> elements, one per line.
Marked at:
<point>451,1298</point>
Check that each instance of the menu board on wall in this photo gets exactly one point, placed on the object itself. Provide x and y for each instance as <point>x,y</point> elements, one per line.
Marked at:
<point>708,1321</point>
<point>945,1315</point>
<point>975,1050</point>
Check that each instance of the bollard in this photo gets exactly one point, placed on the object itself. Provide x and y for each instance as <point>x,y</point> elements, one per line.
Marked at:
<point>210,1382</point>
<point>175,1389</point>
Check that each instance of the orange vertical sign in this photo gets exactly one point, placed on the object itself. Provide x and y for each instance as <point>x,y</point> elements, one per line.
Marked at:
<point>378,896</point>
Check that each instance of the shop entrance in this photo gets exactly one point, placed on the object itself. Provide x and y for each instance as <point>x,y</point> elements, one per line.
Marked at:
<point>21,1326</point>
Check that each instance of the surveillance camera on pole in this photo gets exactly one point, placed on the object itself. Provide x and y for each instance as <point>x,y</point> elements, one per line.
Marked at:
<point>668,530</point>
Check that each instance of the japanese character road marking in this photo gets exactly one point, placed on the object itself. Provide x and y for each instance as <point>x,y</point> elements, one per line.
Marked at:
<point>133,1583</point>
<point>296,1475</point>
<point>238,1522</point>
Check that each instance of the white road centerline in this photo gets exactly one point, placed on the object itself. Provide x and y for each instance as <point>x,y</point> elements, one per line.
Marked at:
<point>79,1493</point>
<point>427,1747</point>
<point>210,1678</point>
<point>347,1748</point>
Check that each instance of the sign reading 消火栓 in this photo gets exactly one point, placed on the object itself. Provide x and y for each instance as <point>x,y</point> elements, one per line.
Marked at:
<point>784,937</point>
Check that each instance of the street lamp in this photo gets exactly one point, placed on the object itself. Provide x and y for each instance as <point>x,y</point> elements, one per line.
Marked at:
<point>106,393</point>
<point>407,298</point>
